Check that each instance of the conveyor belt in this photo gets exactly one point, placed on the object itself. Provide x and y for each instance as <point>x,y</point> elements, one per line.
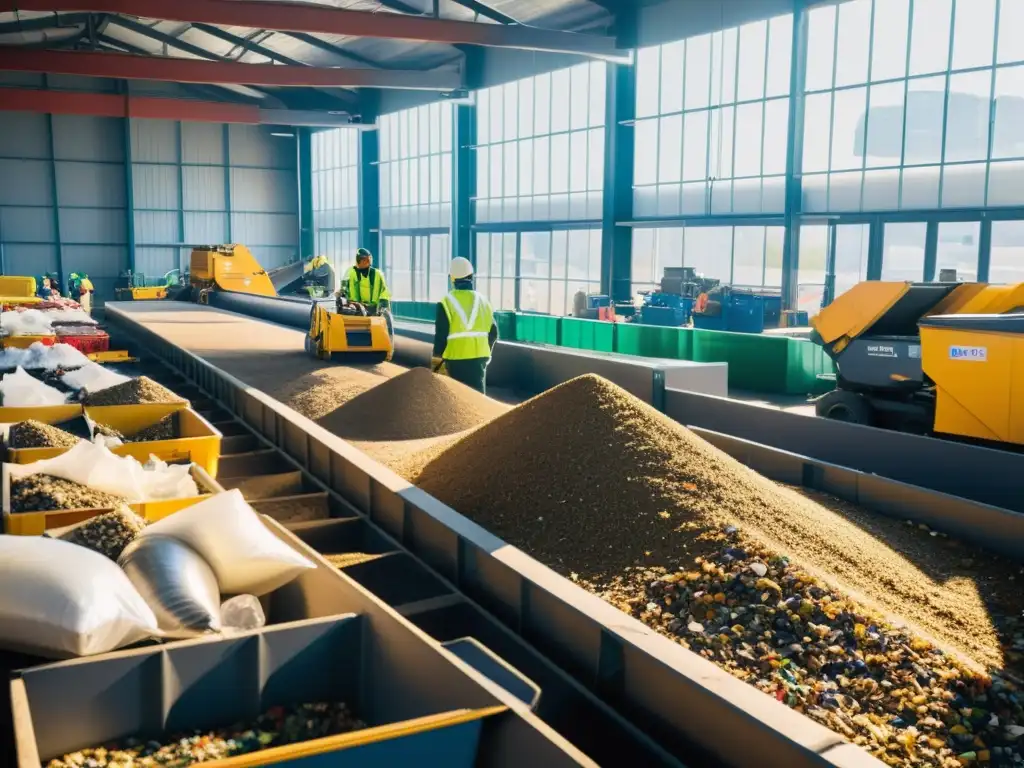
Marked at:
<point>277,486</point>
<point>614,688</point>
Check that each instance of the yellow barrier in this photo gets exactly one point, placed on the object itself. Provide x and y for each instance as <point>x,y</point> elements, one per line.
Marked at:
<point>24,342</point>
<point>198,441</point>
<point>112,356</point>
<point>37,523</point>
<point>48,414</point>
<point>17,286</point>
<point>25,300</point>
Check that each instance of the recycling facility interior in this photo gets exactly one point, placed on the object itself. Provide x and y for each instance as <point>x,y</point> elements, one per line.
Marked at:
<point>567,145</point>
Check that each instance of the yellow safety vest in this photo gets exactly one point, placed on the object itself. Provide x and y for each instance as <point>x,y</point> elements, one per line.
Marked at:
<point>368,290</point>
<point>470,318</point>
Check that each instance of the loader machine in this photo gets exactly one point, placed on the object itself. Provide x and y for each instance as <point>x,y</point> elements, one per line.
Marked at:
<point>350,330</point>
<point>943,358</point>
<point>230,277</point>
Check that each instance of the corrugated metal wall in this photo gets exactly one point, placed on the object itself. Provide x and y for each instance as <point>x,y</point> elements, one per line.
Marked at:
<point>65,194</point>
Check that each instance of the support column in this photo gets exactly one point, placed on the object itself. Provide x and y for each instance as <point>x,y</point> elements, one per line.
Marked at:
<point>129,194</point>
<point>463,181</point>
<point>794,156</point>
<point>619,148</point>
<point>54,193</point>
<point>369,192</point>
<point>307,231</point>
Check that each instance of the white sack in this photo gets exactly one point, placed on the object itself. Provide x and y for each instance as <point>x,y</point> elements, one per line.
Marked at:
<point>95,466</point>
<point>60,600</point>
<point>31,322</point>
<point>38,355</point>
<point>227,532</point>
<point>93,377</point>
<point>19,389</point>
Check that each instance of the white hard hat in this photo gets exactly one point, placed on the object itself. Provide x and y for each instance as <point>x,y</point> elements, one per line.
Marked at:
<point>460,268</point>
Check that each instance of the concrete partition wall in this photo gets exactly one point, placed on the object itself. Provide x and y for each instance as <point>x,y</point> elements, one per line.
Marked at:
<point>690,707</point>
<point>972,472</point>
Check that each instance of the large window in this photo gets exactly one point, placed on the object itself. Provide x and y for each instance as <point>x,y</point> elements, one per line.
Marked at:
<point>417,266</point>
<point>335,171</point>
<point>914,105</point>
<point>416,167</point>
<point>743,256</point>
<point>712,122</point>
<point>551,265</point>
<point>540,147</point>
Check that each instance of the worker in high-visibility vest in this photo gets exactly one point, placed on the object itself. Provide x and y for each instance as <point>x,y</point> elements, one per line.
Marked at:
<point>464,330</point>
<point>366,284</point>
<point>86,291</point>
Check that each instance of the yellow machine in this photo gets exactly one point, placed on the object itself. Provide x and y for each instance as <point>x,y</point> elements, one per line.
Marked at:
<point>348,329</point>
<point>229,268</point>
<point>927,357</point>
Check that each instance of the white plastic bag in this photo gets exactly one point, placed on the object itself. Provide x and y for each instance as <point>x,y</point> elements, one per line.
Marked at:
<point>31,322</point>
<point>12,357</point>
<point>70,316</point>
<point>20,389</point>
<point>38,355</point>
<point>60,600</point>
<point>245,556</point>
<point>95,466</point>
<point>93,377</point>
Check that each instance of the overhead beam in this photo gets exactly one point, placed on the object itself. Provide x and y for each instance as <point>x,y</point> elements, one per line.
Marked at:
<point>323,45</point>
<point>149,107</point>
<point>248,45</point>
<point>299,17</point>
<point>485,10</point>
<point>164,69</point>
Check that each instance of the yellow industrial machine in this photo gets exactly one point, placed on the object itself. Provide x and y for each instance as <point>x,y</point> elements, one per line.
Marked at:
<point>229,268</point>
<point>349,329</point>
<point>16,289</point>
<point>927,357</point>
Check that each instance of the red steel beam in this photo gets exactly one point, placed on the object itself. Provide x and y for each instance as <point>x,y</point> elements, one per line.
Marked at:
<point>300,17</point>
<point>165,69</point>
<point>115,105</point>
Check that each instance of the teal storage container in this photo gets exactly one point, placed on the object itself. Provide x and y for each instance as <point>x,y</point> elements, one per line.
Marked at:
<point>806,361</point>
<point>506,322</point>
<point>595,335</point>
<point>756,363</point>
<point>654,341</point>
<point>538,329</point>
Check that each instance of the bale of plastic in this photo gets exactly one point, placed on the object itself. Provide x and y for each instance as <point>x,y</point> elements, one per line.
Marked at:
<point>19,389</point>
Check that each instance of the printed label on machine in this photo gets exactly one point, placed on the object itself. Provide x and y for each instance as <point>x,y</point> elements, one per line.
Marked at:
<point>914,351</point>
<point>976,354</point>
<point>879,350</point>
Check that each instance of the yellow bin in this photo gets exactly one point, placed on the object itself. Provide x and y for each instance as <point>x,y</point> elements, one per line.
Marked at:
<point>48,414</point>
<point>37,523</point>
<point>18,287</point>
<point>199,442</point>
<point>24,342</point>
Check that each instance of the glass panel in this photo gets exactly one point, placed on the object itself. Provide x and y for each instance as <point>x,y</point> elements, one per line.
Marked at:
<point>579,96</point>
<point>753,46</point>
<point>847,129</point>
<point>774,241</point>
<point>695,146</point>
<point>854,41</point>
<point>1006,263</point>
<point>903,252</point>
<point>698,71</point>
<point>884,126</point>
<point>723,66</point>
<point>748,256</point>
<point>721,142</point>
<point>929,44</point>
<point>398,252</point>
<point>670,148</point>
<point>967,118</point>
<point>598,86</point>
<point>780,52</point>
<point>821,31</point>
<point>578,161</point>
<point>483,256</point>
<point>643,260</point>
<point>748,139</point>
<point>525,108</point>
<point>813,257</point>
<point>974,33</point>
<point>852,244</point>
<point>648,80</point>
<point>578,264</point>
<point>542,166</point>
<point>510,115</point>
<point>645,158</point>
<point>776,121</point>
<point>672,58</point>
<point>542,104</point>
<point>595,160</point>
<point>817,124</point>
<point>925,102</point>
<point>1008,140</point>
<point>891,35</point>
<point>560,100</point>
<point>560,163</point>
<point>958,249</point>
<point>709,251</point>
<point>1011,41</point>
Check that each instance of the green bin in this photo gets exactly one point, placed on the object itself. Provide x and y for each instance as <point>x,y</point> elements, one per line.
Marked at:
<point>596,335</point>
<point>538,329</point>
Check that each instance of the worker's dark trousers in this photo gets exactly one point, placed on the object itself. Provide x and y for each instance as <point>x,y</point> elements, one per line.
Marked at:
<point>472,373</point>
